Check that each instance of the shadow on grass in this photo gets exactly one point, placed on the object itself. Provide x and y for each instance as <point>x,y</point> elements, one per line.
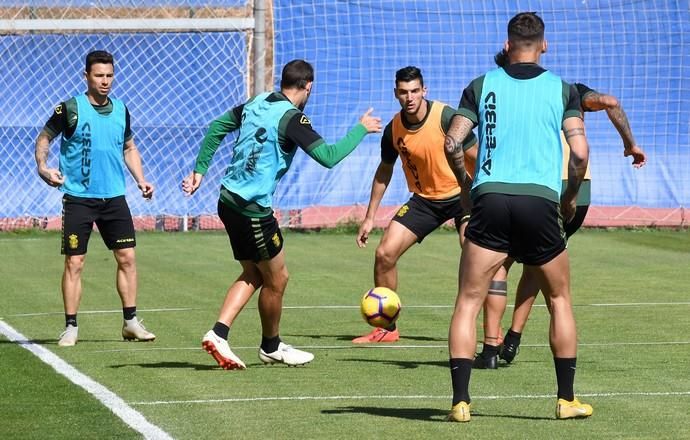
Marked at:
<point>349,338</point>
<point>406,365</point>
<point>185,365</point>
<point>413,364</point>
<point>423,414</point>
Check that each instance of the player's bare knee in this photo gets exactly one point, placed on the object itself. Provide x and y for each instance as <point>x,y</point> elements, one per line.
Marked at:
<point>74,264</point>
<point>126,259</point>
<point>252,277</point>
<point>384,258</point>
<point>473,297</point>
<point>279,280</point>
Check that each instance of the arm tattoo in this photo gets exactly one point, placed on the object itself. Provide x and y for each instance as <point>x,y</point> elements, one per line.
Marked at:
<point>459,129</point>
<point>42,148</point>
<point>574,132</point>
<point>456,159</point>
<point>592,101</point>
<point>451,145</point>
<point>620,120</point>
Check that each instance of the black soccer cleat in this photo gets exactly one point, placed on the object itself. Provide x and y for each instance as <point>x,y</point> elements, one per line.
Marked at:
<point>509,351</point>
<point>483,362</point>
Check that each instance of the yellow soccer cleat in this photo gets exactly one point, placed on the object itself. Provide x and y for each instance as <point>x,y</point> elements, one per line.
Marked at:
<point>572,409</point>
<point>459,413</point>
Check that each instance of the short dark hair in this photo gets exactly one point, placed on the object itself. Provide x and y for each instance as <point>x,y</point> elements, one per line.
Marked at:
<point>98,57</point>
<point>296,74</point>
<point>407,74</point>
<point>525,29</point>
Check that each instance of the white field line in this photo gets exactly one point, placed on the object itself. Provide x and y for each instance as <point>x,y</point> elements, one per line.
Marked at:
<point>341,307</point>
<point>409,397</point>
<point>389,347</point>
<point>99,312</point>
<point>110,400</point>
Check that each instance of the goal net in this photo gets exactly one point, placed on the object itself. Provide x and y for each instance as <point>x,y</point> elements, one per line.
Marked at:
<point>634,50</point>
<point>181,64</point>
<point>176,69</point>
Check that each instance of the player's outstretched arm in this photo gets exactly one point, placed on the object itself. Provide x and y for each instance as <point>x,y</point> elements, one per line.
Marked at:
<point>371,123</point>
<point>595,101</point>
<point>619,120</point>
<point>574,131</point>
<point>136,169</point>
<point>382,178</point>
<point>329,155</point>
<point>51,176</point>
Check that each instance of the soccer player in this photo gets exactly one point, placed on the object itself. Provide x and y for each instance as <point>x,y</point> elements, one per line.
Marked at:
<point>520,110</point>
<point>97,142</point>
<point>416,134</point>
<point>590,101</point>
<point>528,289</point>
<point>271,128</point>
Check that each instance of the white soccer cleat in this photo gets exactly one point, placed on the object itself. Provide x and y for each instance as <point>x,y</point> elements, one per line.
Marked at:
<point>69,337</point>
<point>286,354</point>
<point>220,350</point>
<point>134,329</point>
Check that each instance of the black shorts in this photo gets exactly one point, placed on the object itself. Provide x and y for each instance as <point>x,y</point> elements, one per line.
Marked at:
<point>528,228</point>
<point>573,225</point>
<point>254,239</point>
<point>422,216</point>
<point>112,217</point>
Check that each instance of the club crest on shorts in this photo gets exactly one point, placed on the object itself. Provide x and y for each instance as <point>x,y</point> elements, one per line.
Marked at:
<point>73,241</point>
<point>403,210</point>
<point>276,240</point>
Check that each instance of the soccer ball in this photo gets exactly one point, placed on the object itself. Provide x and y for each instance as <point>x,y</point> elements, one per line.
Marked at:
<point>380,307</point>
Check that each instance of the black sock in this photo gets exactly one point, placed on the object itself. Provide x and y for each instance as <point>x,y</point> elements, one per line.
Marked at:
<point>391,327</point>
<point>221,330</point>
<point>269,345</point>
<point>489,350</point>
<point>129,312</point>
<point>460,370</point>
<point>71,320</point>
<point>513,337</point>
<point>565,376</point>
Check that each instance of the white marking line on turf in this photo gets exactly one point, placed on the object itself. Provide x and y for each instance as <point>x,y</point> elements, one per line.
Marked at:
<point>420,397</point>
<point>95,312</point>
<point>637,304</point>
<point>450,306</point>
<point>110,400</point>
<point>390,347</point>
<point>315,307</point>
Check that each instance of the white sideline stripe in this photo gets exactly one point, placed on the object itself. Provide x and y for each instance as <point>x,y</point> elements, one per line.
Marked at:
<point>339,307</point>
<point>94,312</point>
<point>450,306</point>
<point>110,400</point>
<point>682,303</point>
<point>389,347</point>
<point>23,239</point>
<point>381,397</point>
